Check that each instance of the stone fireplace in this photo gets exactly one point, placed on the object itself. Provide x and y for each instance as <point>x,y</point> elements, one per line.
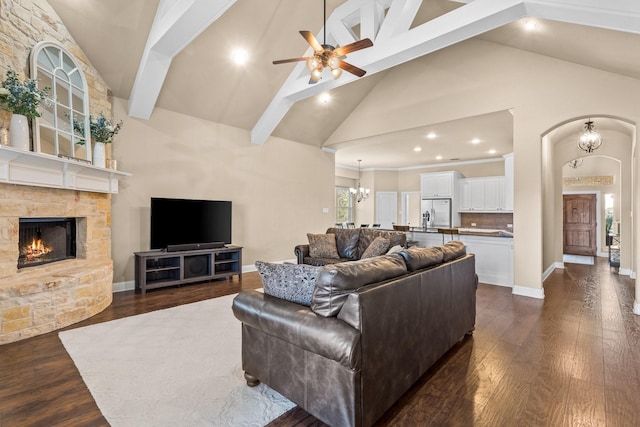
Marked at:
<point>37,295</point>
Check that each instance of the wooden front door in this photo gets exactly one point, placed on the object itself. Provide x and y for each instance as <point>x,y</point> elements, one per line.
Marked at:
<point>579,224</point>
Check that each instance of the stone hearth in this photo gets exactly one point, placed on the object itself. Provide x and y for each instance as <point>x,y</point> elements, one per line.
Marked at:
<point>45,298</point>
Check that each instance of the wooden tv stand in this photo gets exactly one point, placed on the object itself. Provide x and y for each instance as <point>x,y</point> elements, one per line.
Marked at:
<point>158,269</point>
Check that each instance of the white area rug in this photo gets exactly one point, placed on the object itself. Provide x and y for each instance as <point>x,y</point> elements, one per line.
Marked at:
<point>175,367</point>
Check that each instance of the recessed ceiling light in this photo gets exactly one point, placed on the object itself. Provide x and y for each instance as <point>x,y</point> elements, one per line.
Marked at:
<point>475,141</point>
<point>325,97</point>
<point>240,57</point>
<point>431,135</point>
<point>492,151</point>
<point>438,157</point>
<point>417,149</point>
<point>530,25</point>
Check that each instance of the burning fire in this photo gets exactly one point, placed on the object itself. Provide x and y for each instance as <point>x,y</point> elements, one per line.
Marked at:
<point>36,249</point>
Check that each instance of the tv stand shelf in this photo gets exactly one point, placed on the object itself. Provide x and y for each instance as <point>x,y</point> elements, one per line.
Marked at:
<point>157,269</point>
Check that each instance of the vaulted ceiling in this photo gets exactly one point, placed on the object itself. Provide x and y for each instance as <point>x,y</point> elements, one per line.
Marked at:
<point>184,60</point>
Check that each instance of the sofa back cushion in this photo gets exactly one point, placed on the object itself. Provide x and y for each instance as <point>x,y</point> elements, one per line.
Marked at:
<point>453,249</point>
<point>346,242</point>
<point>418,258</point>
<point>336,281</point>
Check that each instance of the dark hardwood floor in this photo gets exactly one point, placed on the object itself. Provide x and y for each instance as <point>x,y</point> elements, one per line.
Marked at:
<point>570,360</point>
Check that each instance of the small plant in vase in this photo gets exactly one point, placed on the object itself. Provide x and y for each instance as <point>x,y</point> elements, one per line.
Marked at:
<point>102,132</point>
<point>22,98</point>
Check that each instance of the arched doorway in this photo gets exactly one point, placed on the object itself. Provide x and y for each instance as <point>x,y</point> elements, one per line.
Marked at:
<point>607,170</point>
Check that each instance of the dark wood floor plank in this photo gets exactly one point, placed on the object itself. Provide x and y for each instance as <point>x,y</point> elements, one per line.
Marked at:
<point>572,359</point>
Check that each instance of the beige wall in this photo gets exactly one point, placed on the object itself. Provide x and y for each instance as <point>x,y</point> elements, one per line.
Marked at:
<point>278,189</point>
<point>541,91</point>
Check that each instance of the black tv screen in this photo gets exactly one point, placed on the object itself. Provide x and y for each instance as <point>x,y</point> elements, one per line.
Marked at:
<point>183,221</point>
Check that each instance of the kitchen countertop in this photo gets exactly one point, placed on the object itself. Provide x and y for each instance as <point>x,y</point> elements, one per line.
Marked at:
<point>490,232</point>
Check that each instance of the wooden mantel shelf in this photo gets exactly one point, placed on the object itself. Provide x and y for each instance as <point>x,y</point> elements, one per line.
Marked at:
<point>44,170</point>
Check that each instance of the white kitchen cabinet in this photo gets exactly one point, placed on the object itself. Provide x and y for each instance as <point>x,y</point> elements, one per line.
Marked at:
<point>494,258</point>
<point>494,194</point>
<point>494,255</point>
<point>439,184</point>
<point>482,194</point>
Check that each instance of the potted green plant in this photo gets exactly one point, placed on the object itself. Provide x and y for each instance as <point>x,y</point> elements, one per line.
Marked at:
<point>102,130</point>
<point>22,98</point>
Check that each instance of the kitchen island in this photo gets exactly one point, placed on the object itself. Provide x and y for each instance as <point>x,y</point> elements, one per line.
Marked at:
<point>493,250</point>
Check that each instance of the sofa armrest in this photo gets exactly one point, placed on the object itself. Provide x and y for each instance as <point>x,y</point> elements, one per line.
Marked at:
<point>299,326</point>
<point>301,252</point>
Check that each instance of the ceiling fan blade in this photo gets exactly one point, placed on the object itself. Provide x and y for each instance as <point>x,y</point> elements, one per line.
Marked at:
<point>352,69</point>
<point>352,47</point>
<point>311,39</point>
<point>284,61</point>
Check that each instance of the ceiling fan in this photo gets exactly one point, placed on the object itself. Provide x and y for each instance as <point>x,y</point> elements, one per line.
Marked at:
<point>326,55</point>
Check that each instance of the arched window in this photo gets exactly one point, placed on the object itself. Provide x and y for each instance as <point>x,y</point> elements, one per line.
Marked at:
<point>54,132</point>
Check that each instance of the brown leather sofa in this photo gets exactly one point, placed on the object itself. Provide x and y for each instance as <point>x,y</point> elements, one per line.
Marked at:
<point>374,328</point>
<point>350,243</point>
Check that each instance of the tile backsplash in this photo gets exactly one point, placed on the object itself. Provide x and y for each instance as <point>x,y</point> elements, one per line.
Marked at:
<point>500,221</point>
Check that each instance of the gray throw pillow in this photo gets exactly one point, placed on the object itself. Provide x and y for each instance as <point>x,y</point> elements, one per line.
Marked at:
<point>323,246</point>
<point>291,282</point>
<point>379,246</point>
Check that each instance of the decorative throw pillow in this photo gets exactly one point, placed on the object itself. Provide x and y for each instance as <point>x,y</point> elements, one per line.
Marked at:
<point>322,246</point>
<point>379,246</point>
<point>394,249</point>
<point>291,282</point>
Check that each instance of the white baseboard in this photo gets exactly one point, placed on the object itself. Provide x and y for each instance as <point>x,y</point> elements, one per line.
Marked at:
<point>129,285</point>
<point>578,259</point>
<point>624,272</point>
<point>551,269</point>
<point>526,291</point>
<point>632,275</point>
<point>636,307</point>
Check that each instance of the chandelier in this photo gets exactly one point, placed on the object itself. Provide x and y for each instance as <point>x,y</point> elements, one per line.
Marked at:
<point>590,139</point>
<point>359,193</point>
<point>575,163</point>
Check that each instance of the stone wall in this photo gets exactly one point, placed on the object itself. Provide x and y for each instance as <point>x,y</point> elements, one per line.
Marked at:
<point>44,298</point>
<point>28,22</point>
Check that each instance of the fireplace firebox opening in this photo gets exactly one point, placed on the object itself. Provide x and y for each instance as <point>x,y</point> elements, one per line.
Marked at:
<point>46,240</point>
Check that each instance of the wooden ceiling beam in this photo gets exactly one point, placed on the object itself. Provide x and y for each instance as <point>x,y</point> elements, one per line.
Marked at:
<point>398,44</point>
<point>176,24</point>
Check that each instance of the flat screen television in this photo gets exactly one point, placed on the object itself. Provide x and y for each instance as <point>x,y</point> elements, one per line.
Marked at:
<point>184,221</point>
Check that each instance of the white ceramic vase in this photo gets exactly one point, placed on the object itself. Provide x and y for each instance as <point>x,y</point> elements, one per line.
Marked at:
<point>99,157</point>
<point>19,132</point>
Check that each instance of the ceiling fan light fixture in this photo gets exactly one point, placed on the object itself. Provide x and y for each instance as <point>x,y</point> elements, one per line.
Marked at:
<point>312,63</point>
<point>316,74</point>
<point>326,55</point>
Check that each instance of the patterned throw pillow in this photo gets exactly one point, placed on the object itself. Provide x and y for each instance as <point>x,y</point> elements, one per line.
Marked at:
<point>323,246</point>
<point>379,246</point>
<point>291,282</point>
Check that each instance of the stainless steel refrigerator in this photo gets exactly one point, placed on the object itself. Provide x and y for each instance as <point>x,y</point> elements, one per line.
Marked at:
<point>436,213</point>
